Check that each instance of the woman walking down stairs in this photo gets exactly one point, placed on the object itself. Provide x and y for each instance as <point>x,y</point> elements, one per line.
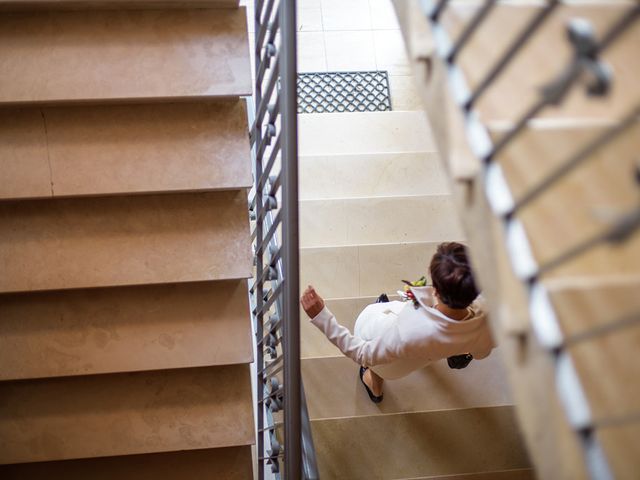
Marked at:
<point>375,204</point>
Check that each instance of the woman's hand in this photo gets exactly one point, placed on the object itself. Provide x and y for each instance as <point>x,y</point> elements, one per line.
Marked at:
<point>311,302</point>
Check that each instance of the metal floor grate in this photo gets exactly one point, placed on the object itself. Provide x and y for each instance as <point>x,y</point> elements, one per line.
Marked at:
<point>328,92</point>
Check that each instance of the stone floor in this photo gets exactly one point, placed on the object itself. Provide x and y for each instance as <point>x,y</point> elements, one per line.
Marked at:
<point>353,35</point>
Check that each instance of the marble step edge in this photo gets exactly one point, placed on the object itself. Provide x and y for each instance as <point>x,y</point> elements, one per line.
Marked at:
<point>413,412</point>
<point>242,185</point>
<point>311,156</point>
<point>528,473</point>
<point>23,5</point>
<point>412,196</point>
<point>381,244</point>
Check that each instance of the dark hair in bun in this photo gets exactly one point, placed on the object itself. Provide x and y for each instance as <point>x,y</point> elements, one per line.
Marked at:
<point>451,275</point>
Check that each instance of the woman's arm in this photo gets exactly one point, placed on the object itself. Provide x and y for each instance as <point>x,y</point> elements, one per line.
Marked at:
<point>383,349</point>
<point>368,353</point>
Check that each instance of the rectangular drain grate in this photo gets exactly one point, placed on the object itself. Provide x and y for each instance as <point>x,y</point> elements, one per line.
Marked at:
<point>328,92</point>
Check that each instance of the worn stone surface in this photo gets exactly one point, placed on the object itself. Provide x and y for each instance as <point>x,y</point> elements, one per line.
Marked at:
<point>123,55</point>
<point>123,149</point>
<point>123,414</point>
<point>231,463</point>
<point>122,329</point>
<point>419,444</point>
<point>112,241</point>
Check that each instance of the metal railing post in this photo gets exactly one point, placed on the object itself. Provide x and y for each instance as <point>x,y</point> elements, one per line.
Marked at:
<point>288,74</point>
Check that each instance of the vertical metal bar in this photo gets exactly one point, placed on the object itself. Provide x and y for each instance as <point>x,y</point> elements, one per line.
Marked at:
<point>291,334</point>
<point>624,22</point>
<point>435,13</point>
<point>259,257</point>
<point>511,52</point>
<point>473,25</point>
<point>309,463</point>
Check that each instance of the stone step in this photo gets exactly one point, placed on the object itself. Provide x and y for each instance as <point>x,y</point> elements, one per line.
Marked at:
<point>115,241</point>
<point>547,144</point>
<point>147,55</point>
<point>588,304</point>
<point>621,447</point>
<point>371,175</point>
<point>333,388</point>
<point>600,320</point>
<point>609,374</point>
<point>592,196</point>
<point>364,270</point>
<point>123,149</point>
<point>19,5</point>
<point>515,90</point>
<point>516,474</point>
<point>124,329</point>
<point>419,444</point>
<point>357,221</point>
<point>230,463</point>
<point>361,133</point>
<point>125,414</point>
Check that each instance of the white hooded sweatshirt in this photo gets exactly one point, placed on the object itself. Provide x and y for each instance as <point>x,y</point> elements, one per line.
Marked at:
<point>396,338</point>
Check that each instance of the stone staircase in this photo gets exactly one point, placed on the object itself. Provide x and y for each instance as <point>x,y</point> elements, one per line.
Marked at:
<point>124,240</point>
<point>576,399</point>
<point>375,202</point>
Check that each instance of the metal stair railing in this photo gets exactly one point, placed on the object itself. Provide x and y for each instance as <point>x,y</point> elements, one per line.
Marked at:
<point>283,431</point>
<point>585,64</point>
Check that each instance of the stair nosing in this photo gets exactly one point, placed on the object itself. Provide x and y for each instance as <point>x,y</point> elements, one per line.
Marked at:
<point>413,412</point>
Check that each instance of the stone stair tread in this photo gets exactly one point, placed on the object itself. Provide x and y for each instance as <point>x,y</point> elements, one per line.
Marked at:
<point>515,474</point>
<point>364,270</point>
<point>518,86</point>
<point>147,55</point>
<point>437,387</point>
<point>123,149</point>
<point>124,414</point>
<point>622,449</point>
<point>584,305</point>
<point>603,260</point>
<point>419,444</point>
<point>18,5</point>
<point>592,195</point>
<point>547,144</point>
<point>116,241</point>
<point>371,175</point>
<point>371,132</point>
<point>609,373</point>
<point>378,220</point>
<point>230,463</point>
<point>124,329</point>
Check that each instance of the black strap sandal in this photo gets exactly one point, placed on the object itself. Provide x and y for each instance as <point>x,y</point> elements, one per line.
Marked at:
<point>459,361</point>
<point>373,398</point>
<point>383,298</point>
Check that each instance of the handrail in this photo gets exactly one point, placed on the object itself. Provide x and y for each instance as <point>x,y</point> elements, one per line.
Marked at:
<point>585,63</point>
<point>285,446</point>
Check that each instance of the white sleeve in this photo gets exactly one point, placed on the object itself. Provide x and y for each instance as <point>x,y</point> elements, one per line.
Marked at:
<point>368,353</point>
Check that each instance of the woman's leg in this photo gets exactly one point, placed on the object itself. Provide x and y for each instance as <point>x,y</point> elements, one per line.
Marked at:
<point>373,381</point>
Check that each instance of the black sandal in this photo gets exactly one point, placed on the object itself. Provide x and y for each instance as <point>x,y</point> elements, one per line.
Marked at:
<point>373,398</point>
